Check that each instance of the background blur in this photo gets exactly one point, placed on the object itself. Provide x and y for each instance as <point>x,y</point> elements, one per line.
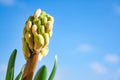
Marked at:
<point>86,37</point>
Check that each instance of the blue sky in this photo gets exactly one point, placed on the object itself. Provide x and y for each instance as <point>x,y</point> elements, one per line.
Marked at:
<point>86,37</point>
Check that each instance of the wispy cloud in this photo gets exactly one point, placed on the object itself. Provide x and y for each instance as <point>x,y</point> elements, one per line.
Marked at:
<point>85,48</point>
<point>7,2</point>
<point>98,68</point>
<point>111,58</point>
<point>15,3</point>
<point>3,68</point>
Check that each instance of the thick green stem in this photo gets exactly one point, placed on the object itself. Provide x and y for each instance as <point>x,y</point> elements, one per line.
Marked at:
<point>30,67</point>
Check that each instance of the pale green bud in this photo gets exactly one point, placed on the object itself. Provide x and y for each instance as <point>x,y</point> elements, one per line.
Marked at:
<point>44,20</point>
<point>24,31</point>
<point>43,17</point>
<point>47,15</point>
<point>38,23</point>
<point>29,39</point>
<point>41,29</point>
<point>25,48</point>
<point>35,21</point>
<point>48,26</point>
<point>38,42</point>
<point>31,18</point>
<point>50,33</point>
<point>44,51</point>
<point>37,13</point>
<point>46,39</point>
<point>34,28</point>
<point>43,13</point>
<point>50,18</point>
<point>28,25</point>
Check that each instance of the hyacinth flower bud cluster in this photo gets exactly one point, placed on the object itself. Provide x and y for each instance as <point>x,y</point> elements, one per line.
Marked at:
<point>37,33</point>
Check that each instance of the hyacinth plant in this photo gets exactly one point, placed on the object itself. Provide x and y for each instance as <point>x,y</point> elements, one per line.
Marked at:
<point>36,37</point>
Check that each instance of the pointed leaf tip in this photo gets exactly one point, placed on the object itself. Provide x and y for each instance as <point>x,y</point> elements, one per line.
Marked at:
<point>19,76</point>
<point>52,75</point>
<point>10,68</point>
<point>41,74</point>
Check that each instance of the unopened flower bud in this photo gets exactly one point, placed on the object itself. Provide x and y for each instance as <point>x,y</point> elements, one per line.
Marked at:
<point>41,29</point>
<point>34,28</point>
<point>48,26</point>
<point>43,13</point>
<point>24,31</point>
<point>44,51</point>
<point>37,13</point>
<point>28,25</point>
<point>51,19</point>
<point>35,21</point>
<point>29,39</point>
<point>38,23</point>
<point>31,18</point>
<point>50,33</point>
<point>38,42</point>
<point>25,48</point>
<point>46,39</point>
<point>44,20</point>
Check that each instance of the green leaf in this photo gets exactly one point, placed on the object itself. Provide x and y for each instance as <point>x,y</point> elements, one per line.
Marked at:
<point>19,76</point>
<point>41,74</point>
<point>10,68</point>
<point>51,77</point>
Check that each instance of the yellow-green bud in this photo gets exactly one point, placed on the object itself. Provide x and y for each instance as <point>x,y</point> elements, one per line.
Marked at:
<point>50,33</point>
<point>44,51</point>
<point>46,39</point>
<point>34,28</point>
<point>38,42</point>
<point>50,18</point>
<point>28,25</point>
<point>41,29</point>
<point>24,31</point>
<point>29,39</point>
<point>44,20</point>
<point>37,13</point>
<point>35,20</point>
<point>25,48</point>
<point>43,13</point>
<point>48,26</point>
<point>38,23</point>
<point>31,18</point>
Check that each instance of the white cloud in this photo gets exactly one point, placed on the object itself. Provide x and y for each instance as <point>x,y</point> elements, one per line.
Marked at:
<point>15,3</point>
<point>3,68</point>
<point>116,8</point>
<point>98,68</point>
<point>111,58</point>
<point>7,2</point>
<point>85,48</point>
